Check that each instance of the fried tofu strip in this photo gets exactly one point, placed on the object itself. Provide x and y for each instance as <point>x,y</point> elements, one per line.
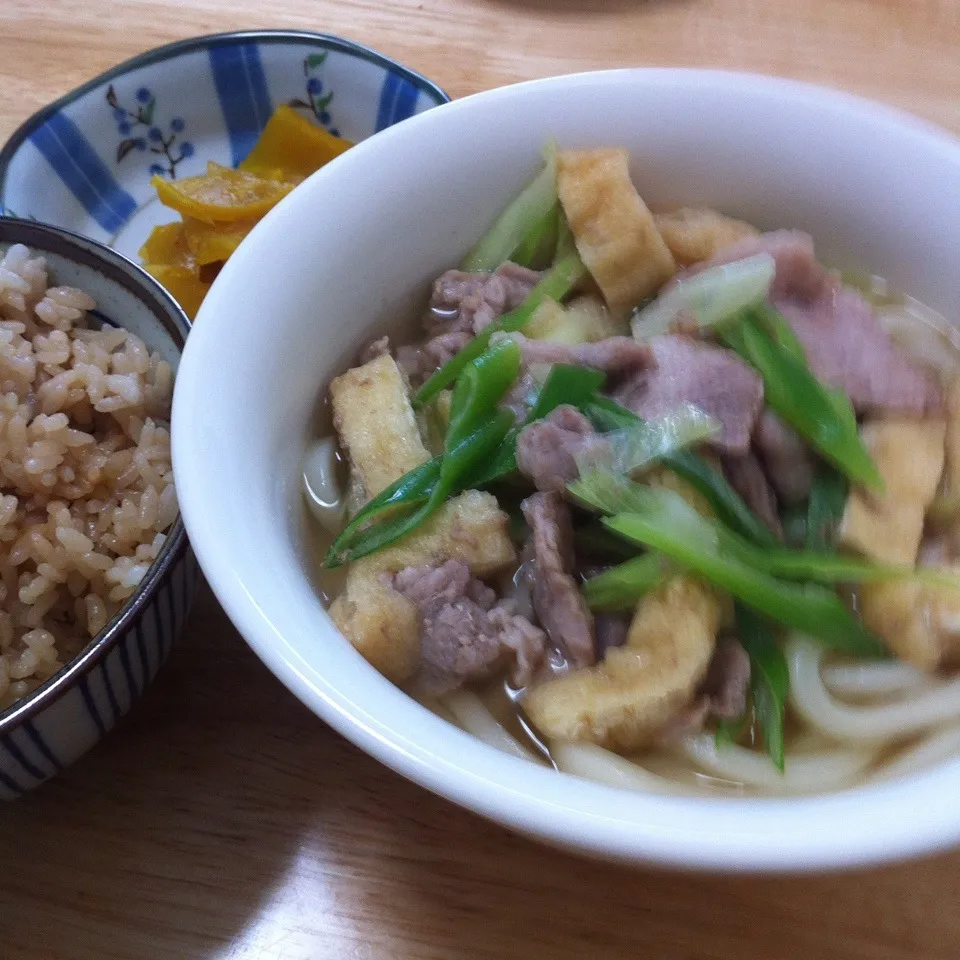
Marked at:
<point>624,701</point>
<point>614,231</point>
<point>919,623</point>
<point>383,625</point>
<point>694,234</point>
<point>585,320</point>
<point>951,469</point>
<point>376,425</point>
<point>909,454</point>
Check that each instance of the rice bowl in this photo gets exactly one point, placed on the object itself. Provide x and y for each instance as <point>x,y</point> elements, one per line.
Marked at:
<point>97,576</point>
<point>85,467</point>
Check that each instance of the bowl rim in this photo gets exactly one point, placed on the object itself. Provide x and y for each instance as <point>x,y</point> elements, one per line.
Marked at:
<point>170,51</point>
<point>513,792</point>
<point>44,238</point>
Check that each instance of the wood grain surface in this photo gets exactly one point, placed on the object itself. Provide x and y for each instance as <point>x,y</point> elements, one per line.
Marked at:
<point>223,820</point>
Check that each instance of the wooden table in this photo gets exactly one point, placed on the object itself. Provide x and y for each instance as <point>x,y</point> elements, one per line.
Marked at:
<point>222,820</point>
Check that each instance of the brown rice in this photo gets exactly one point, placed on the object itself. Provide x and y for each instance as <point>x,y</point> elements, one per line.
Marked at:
<point>87,490</point>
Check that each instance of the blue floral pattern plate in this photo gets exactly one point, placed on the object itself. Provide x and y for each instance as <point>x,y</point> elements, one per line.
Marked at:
<point>85,161</point>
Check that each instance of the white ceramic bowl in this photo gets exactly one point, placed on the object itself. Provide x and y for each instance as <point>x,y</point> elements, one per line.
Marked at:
<point>331,264</point>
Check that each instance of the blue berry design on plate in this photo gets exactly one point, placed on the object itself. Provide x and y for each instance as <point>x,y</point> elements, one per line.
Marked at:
<point>141,133</point>
<point>317,98</point>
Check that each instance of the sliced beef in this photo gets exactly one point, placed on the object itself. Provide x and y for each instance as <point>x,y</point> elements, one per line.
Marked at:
<point>787,460</point>
<point>461,306</point>
<point>410,361</point>
<point>939,550</point>
<point>547,450</point>
<point>614,355</point>
<point>557,600</point>
<point>709,377</point>
<point>468,302</point>
<point>376,348</point>
<point>798,272</point>
<point>465,635</point>
<point>445,584</point>
<point>518,589</point>
<point>847,348</point>
<point>611,630</point>
<point>438,350</point>
<point>458,645</point>
<point>526,642</point>
<point>521,396</point>
<point>727,680</point>
<point>721,696</point>
<point>746,476</point>
<point>420,362</point>
<point>844,342</point>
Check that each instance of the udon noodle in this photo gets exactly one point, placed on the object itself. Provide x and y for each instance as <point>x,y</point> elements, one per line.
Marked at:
<point>854,722</point>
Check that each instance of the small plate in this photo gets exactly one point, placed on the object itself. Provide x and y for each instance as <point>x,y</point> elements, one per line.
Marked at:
<point>85,161</point>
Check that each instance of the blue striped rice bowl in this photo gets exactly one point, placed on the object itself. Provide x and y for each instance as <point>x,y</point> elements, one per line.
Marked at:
<point>96,575</point>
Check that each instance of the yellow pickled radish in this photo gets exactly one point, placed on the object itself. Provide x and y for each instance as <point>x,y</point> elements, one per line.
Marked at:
<point>214,242</point>
<point>182,283</point>
<point>168,244</point>
<point>221,195</point>
<point>222,206</point>
<point>292,143</point>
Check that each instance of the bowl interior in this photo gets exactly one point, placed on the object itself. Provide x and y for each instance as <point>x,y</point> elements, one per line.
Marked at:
<point>85,162</point>
<point>877,190</point>
<point>125,296</point>
<point>129,298</point>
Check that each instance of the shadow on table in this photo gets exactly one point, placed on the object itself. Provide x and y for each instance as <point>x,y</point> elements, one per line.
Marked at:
<point>224,821</point>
